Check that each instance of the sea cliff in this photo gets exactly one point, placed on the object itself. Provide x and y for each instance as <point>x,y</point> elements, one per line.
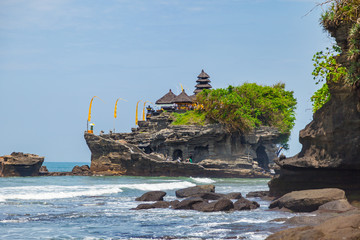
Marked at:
<point>331,141</point>
<point>154,147</point>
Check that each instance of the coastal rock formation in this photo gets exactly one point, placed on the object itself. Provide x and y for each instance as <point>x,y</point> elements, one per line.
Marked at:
<point>308,200</point>
<point>158,148</point>
<point>341,227</point>
<point>330,155</point>
<point>20,164</point>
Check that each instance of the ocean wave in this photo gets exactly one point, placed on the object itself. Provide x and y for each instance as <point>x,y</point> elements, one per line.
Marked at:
<point>56,192</point>
<point>59,192</point>
<point>22,220</point>
<point>158,186</point>
<point>202,180</point>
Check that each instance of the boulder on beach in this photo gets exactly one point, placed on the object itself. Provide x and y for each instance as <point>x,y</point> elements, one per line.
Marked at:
<point>308,200</point>
<point>192,191</point>
<point>152,196</point>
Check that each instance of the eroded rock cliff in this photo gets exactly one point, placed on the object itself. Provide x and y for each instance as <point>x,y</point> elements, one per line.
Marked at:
<point>155,146</point>
<point>330,155</point>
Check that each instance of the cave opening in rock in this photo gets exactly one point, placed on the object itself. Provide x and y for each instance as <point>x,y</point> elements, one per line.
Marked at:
<point>200,153</point>
<point>177,154</point>
<point>262,158</point>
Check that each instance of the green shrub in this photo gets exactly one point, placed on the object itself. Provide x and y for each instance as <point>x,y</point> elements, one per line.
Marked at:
<point>249,106</point>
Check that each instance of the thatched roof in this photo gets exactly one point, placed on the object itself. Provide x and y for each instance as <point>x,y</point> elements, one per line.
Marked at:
<point>207,86</point>
<point>203,74</point>
<point>182,98</point>
<point>202,80</point>
<point>167,98</point>
<point>196,91</point>
<point>193,97</point>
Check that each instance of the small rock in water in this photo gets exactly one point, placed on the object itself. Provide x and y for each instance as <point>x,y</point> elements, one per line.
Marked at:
<point>191,191</point>
<point>152,196</point>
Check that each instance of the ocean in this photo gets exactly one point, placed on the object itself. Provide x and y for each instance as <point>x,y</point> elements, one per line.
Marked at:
<point>99,207</point>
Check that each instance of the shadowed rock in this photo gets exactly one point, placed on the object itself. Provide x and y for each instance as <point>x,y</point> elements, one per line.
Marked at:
<point>233,195</point>
<point>159,204</point>
<point>188,203</point>
<point>245,204</point>
<point>152,196</point>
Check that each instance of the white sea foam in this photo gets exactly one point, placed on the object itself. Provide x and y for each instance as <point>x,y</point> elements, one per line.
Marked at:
<point>202,180</point>
<point>246,220</point>
<point>59,192</point>
<point>255,235</point>
<point>56,192</point>
<point>158,186</point>
<point>21,220</point>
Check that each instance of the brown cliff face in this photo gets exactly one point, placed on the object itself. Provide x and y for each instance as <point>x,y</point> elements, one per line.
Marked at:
<point>20,165</point>
<point>117,157</point>
<point>154,148</point>
<point>330,155</point>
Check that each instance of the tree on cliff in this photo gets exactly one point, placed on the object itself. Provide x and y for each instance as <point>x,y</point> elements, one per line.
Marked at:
<point>250,105</point>
<point>341,13</point>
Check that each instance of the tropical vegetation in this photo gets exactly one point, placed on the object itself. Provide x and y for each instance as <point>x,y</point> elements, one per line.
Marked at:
<point>244,108</point>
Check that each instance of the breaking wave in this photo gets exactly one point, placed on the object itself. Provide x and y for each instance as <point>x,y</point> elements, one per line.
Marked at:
<point>202,180</point>
<point>59,192</point>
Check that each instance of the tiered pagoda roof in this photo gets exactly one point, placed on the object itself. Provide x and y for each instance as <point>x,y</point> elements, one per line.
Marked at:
<point>203,82</point>
<point>167,98</point>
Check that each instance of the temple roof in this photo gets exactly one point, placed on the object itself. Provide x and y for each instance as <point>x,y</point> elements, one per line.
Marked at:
<point>203,80</point>
<point>207,86</point>
<point>182,98</point>
<point>203,74</point>
<point>167,98</point>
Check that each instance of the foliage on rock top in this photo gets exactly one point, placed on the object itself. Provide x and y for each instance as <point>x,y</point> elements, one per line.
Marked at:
<point>346,13</point>
<point>249,106</point>
<point>189,118</point>
<point>340,13</point>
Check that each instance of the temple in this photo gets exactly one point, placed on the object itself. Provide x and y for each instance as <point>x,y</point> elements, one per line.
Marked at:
<point>203,82</point>
<point>184,102</point>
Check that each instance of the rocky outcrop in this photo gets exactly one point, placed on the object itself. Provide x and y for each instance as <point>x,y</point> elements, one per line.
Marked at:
<point>157,148</point>
<point>340,227</point>
<point>330,142</point>
<point>308,200</point>
<point>117,157</point>
<point>20,164</point>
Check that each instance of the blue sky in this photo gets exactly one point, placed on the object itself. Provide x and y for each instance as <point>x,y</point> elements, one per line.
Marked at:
<point>55,55</point>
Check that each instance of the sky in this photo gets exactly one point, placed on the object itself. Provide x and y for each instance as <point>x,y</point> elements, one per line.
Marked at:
<point>55,55</point>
